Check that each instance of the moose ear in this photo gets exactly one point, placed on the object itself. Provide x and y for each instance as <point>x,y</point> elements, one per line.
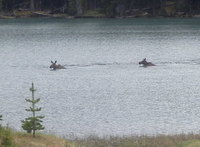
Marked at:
<point>144,59</point>
<point>51,61</point>
<point>55,61</point>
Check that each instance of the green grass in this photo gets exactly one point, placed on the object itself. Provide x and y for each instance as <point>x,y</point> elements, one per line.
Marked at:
<point>191,143</point>
<point>6,137</point>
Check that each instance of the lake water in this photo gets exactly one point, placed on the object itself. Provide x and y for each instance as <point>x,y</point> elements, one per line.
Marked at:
<point>103,90</point>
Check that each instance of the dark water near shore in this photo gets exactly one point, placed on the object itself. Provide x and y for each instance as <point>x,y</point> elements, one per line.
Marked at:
<point>103,90</point>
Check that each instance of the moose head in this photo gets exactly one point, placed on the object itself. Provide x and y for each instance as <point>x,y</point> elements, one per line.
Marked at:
<point>55,66</point>
<point>145,63</point>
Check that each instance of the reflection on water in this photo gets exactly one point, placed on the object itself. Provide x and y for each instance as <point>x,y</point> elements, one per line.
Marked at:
<point>103,90</point>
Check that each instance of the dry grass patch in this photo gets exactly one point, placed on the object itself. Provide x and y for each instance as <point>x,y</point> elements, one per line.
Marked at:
<point>26,140</point>
<point>22,13</point>
<point>181,140</point>
<point>94,13</point>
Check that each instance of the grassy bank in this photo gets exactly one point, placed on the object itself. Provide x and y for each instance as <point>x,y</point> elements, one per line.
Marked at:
<point>9,138</point>
<point>24,140</point>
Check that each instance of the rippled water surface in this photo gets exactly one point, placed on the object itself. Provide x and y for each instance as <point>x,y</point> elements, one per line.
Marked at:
<point>103,90</point>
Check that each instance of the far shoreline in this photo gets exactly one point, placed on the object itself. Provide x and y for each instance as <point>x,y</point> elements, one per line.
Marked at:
<point>23,14</point>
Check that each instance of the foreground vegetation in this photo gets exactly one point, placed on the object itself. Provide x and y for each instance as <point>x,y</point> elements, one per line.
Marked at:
<point>9,138</point>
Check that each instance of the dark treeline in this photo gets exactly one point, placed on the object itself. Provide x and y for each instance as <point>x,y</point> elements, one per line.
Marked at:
<point>110,8</point>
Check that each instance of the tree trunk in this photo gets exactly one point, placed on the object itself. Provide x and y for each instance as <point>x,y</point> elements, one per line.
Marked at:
<point>162,11</point>
<point>65,6</point>
<point>95,4</point>
<point>38,4</point>
<point>33,106</point>
<point>190,4</point>
<point>32,7</point>
<point>1,5</point>
<point>79,7</point>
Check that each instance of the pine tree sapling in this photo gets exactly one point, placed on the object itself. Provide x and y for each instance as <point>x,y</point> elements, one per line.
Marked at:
<point>33,123</point>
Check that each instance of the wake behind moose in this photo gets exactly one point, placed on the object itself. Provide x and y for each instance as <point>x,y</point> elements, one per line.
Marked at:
<point>55,66</point>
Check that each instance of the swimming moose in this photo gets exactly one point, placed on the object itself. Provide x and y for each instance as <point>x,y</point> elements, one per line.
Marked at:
<point>145,63</point>
<point>55,66</point>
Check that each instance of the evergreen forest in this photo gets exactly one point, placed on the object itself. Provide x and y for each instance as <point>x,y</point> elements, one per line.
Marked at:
<point>109,8</point>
